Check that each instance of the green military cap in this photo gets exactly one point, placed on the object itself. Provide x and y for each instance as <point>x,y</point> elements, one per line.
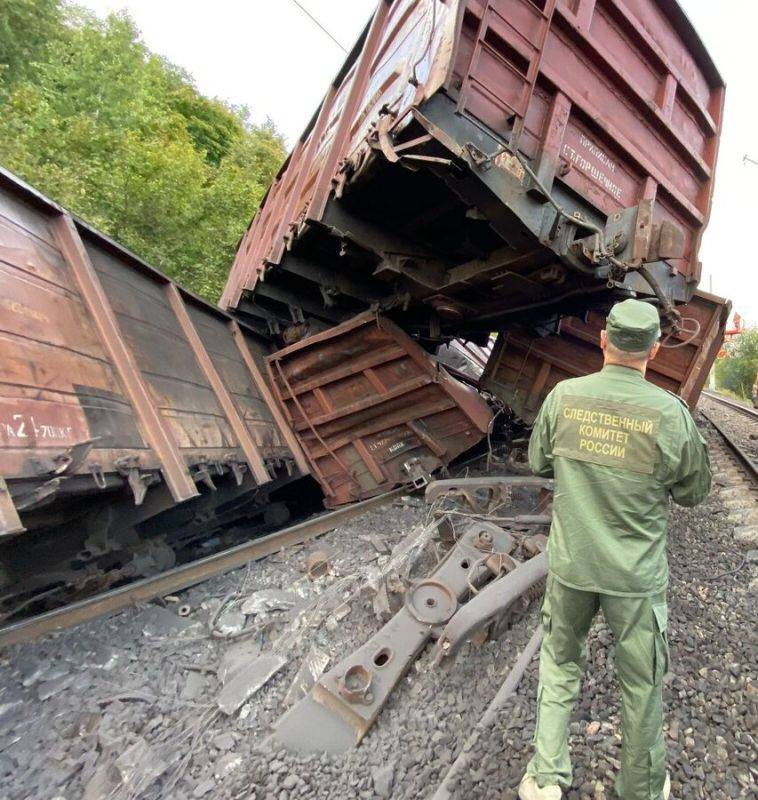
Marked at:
<point>633,326</point>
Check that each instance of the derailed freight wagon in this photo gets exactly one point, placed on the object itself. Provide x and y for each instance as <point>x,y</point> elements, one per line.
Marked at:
<point>483,163</point>
<point>125,401</point>
<point>139,424</point>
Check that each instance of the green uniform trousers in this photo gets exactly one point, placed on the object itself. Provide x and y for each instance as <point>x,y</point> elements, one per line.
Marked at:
<point>639,628</point>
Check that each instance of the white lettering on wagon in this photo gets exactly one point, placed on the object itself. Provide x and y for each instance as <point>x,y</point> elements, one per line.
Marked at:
<point>20,427</point>
<point>576,158</point>
<point>599,154</point>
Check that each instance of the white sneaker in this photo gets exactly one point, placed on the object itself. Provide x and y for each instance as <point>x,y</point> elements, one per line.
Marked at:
<point>529,789</point>
<point>667,787</point>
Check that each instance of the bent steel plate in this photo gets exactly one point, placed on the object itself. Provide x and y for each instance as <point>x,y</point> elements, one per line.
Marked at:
<point>338,712</point>
<point>490,603</point>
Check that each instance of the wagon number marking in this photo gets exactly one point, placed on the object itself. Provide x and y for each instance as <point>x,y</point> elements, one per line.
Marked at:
<point>17,428</point>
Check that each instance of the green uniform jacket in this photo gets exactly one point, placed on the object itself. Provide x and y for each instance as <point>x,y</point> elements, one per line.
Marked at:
<point>618,447</point>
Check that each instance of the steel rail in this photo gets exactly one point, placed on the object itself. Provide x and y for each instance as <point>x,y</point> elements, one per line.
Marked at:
<point>737,451</point>
<point>466,756</point>
<point>186,575</point>
<point>729,403</point>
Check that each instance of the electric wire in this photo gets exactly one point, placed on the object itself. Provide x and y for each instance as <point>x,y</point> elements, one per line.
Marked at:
<point>316,22</point>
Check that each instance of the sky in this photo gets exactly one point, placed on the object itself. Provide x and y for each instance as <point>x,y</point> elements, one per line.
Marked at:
<point>272,58</point>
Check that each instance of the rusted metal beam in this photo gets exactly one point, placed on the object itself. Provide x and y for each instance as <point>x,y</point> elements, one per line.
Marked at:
<point>555,131</point>
<point>345,702</point>
<point>489,604</point>
<point>241,431</point>
<point>10,522</point>
<point>361,72</point>
<point>173,467</point>
<point>268,397</point>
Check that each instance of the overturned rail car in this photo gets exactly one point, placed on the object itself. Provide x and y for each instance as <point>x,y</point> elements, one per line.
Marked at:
<point>372,409</point>
<point>483,163</point>
<point>140,425</point>
<point>524,366</point>
<point>125,403</point>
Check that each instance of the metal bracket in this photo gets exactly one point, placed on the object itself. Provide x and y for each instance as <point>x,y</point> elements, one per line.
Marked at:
<point>39,495</point>
<point>346,701</point>
<point>491,603</point>
<point>418,474</point>
<point>97,475</point>
<point>71,459</point>
<point>128,466</point>
<point>237,467</point>
<point>202,474</point>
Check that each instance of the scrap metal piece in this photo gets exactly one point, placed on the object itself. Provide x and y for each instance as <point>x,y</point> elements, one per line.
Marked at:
<point>346,701</point>
<point>310,670</point>
<point>236,657</point>
<point>483,495</point>
<point>488,605</point>
<point>380,603</point>
<point>38,496</point>
<point>10,522</point>
<point>269,600</point>
<point>247,681</point>
<point>317,564</point>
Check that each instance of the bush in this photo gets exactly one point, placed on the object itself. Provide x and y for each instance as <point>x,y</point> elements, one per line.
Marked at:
<point>737,372</point>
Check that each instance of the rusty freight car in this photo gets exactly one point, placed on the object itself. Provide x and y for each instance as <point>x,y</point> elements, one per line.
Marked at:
<point>523,368</point>
<point>483,163</point>
<point>139,423</point>
<point>372,409</point>
<point>124,399</point>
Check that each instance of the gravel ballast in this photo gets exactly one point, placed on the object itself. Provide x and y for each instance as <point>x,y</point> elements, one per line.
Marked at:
<point>127,707</point>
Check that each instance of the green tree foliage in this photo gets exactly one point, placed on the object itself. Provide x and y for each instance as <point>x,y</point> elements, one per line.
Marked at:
<point>26,26</point>
<point>737,372</point>
<point>123,138</point>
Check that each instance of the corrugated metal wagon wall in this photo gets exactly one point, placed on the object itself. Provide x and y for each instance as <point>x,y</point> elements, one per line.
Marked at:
<point>524,366</point>
<point>480,163</point>
<point>112,373</point>
<point>372,409</point>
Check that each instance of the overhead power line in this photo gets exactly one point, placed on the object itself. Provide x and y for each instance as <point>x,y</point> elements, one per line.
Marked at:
<point>313,19</point>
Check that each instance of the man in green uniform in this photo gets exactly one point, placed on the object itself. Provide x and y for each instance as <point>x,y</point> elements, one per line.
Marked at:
<point>619,448</point>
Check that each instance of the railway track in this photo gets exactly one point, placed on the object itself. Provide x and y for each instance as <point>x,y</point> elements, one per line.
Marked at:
<point>735,476</point>
<point>187,575</point>
<point>737,452</point>
<point>727,436</point>
<point>752,413</point>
